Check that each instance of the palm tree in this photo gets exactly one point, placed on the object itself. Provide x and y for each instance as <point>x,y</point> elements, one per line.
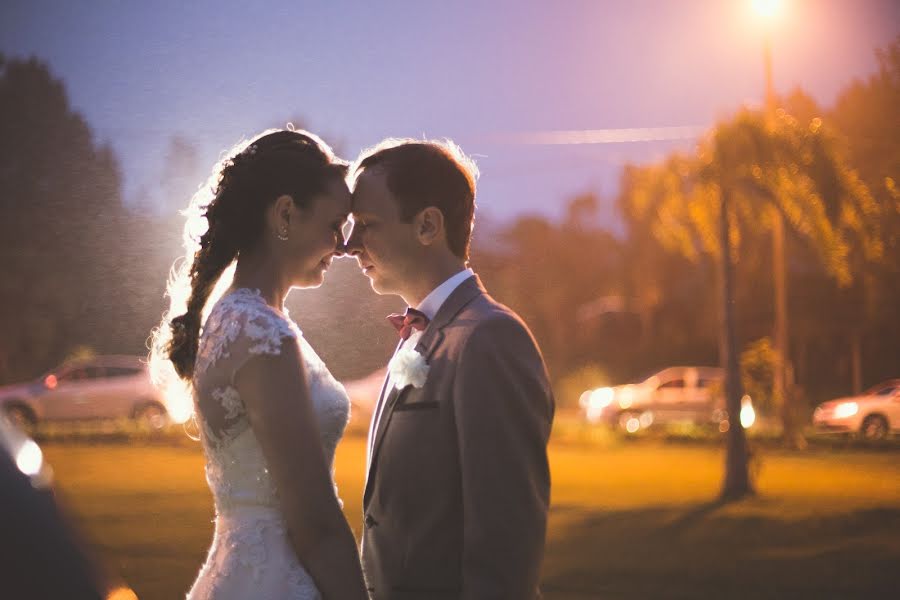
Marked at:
<point>746,175</point>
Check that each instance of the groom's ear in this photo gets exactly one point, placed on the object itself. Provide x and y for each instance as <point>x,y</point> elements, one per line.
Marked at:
<point>429,225</point>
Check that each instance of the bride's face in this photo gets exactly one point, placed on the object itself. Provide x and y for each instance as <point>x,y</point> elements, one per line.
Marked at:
<point>314,235</point>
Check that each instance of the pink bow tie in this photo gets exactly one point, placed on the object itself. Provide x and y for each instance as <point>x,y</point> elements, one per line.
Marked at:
<point>405,323</point>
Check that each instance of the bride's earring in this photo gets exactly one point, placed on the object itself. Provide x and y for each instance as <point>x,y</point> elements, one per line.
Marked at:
<point>282,234</point>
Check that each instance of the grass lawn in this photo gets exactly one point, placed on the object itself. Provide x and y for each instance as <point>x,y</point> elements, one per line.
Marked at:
<point>629,520</point>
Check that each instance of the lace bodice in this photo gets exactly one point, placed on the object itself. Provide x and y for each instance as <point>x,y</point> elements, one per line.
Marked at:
<point>240,326</point>
<point>251,555</point>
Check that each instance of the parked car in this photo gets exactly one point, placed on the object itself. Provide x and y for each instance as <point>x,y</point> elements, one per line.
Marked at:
<point>873,414</point>
<point>673,395</point>
<point>103,387</point>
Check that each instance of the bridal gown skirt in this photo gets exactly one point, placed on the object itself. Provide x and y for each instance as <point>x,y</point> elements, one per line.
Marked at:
<point>251,558</point>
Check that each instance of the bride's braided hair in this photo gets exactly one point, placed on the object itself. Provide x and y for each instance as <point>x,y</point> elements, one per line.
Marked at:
<point>277,163</point>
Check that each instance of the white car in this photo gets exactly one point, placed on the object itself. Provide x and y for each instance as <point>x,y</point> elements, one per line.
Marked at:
<point>103,387</point>
<point>873,414</point>
<point>673,395</point>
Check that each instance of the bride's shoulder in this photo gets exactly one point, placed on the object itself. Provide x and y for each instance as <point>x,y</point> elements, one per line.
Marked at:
<point>245,311</point>
<point>242,321</point>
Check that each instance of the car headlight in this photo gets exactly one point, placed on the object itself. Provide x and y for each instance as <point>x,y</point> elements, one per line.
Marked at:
<point>597,400</point>
<point>602,397</point>
<point>584,398</point>
<point>845,409</point>
<point>748,415</point>
<point>626,397</point>
<point>26,454</point>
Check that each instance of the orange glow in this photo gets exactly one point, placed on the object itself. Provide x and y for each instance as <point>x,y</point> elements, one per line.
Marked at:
<point>51,382</point>
<point>121,593</point>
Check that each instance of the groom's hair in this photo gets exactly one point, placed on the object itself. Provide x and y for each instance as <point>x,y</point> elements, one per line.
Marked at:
<point>423,173</point>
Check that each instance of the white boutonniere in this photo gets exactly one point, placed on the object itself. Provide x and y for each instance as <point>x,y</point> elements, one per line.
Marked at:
<point>408,367</point>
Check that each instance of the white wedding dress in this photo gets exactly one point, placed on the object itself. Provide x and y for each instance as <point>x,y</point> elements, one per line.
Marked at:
<point>251,556</point>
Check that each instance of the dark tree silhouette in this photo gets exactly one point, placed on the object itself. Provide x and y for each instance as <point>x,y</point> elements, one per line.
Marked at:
<point>60,209</point>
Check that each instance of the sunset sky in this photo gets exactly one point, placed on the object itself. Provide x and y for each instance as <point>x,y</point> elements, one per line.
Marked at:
<point>493,76</point>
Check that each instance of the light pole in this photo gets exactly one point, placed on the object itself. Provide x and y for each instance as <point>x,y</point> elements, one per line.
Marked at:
<point>767,65</point>
<point>768,10</point>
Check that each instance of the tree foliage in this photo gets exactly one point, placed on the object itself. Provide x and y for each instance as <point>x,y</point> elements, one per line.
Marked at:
<point>60,204</point>
<point>778,166</point>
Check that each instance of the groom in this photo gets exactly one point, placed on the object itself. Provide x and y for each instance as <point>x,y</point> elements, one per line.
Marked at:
<point>458,485</point>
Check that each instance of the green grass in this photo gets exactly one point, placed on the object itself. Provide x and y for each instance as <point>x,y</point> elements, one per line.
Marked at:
<point>637,521</point>
<point>628,520</point>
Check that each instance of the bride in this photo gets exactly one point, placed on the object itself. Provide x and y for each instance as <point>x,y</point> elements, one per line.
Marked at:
<point>270,413</point>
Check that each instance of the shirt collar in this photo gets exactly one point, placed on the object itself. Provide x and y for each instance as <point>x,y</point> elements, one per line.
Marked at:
<point>433,301</point>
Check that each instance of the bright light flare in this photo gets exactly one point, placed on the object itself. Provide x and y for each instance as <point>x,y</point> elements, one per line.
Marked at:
<point>845,409</point>
<point>584,399</point>
<point>179,403</point>
<point>602,397</point>
<point>603,136</point>
<point>597,400</point>
<point>767,9</point>
<point>30,459</point>
<point>748,415</point>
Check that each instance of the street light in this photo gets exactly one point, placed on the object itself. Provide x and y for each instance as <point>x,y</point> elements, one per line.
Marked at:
<point>767,9</point>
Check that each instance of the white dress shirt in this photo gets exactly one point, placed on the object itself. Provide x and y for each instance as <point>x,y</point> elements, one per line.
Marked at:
<point>429,307</point>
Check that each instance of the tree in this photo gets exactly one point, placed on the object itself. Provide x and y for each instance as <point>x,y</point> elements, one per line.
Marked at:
<point>851,328</point>
<point>571,263</point>
<point>181,175</point>
<point>746,174</point>
<point>59,208</point>
<point>865,118</point>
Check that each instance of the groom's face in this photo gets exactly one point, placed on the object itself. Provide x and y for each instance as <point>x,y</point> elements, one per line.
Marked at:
<point>385,247</point>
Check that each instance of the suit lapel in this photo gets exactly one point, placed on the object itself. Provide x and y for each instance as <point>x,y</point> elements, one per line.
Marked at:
<point>370,439</point>
<point>465,292</point>
<point>388,410</point>
<point>384,385</point>
<point>383,422</point>
<point>431,338</point>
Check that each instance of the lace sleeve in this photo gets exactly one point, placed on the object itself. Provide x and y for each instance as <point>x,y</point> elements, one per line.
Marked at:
<point>240,327</point>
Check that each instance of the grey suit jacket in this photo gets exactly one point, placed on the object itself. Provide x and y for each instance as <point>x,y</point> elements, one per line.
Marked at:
<point>458,489</point>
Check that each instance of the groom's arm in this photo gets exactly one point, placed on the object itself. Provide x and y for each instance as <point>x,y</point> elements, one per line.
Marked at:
<point>503,407</point>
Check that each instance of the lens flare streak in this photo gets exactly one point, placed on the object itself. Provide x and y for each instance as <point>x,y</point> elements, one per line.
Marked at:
<point>603,136</point>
